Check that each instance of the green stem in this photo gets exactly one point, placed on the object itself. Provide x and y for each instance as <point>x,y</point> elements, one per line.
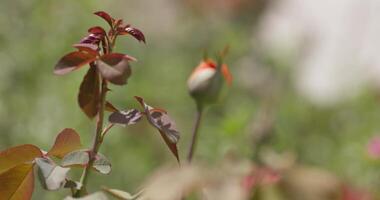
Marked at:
<point>97,141</point>
<point>194,138</point>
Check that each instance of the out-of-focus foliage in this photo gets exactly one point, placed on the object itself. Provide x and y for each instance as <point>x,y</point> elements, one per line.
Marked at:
<point>263,110</point>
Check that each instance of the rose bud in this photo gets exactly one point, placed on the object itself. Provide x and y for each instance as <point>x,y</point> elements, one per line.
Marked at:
<point>206,81</point>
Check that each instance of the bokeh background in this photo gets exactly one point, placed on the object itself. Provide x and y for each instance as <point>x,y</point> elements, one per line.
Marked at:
<point>306,82</point>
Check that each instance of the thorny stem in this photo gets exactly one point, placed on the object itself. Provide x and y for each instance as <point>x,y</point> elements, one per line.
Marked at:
<point>194,138</point>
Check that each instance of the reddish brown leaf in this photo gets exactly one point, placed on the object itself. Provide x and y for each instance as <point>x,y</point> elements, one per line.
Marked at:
<point>91,42</point>
<point>97,30</point>
<point>110,107</point>
<point>72,61</point>
<point>89,48</point>
<point>136,33</point>
<point>125,117</point>
<point>17,183</point>
<point>67,141</point>
<point>118,23</point>
<point>115,68</point>
<point>172,146</point>
<point>166,126</point>
<point>106,17</point>
<point>18,155</point>
<point>89,92</point>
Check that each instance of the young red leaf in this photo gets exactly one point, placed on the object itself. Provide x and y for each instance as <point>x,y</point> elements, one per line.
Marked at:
<point>106,17</point>
<point>52,176</point>
<point>89,48</point>
<point>115,68</point>
<point>136,33</point>
<point>97,30</point>
<point>172,146</point>
<point>166,126</point>
<point>67,141</point>
<point>118,23</point>
<point>90,43</point>
<point>125,117</point>
<point>89,92</point>
<point>72,61</point>
<point>18,155</point>
<point>17,183</point>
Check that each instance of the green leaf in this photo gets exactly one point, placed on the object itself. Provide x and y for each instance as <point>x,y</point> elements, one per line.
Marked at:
<point>102,164</point>
<point>81,158</point>
<point>14,156</point>
<point>76,158</point>
<point>94,196</point>
<point>17,183</point>
<point>89,92</point>
<point>73,61</point>
<point>52,176</point>
<point>119,194</point>
<point>67,141</point>
<point>115,68</point>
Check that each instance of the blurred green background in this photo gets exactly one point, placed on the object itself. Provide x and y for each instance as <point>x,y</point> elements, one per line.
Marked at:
<point>263,107</point>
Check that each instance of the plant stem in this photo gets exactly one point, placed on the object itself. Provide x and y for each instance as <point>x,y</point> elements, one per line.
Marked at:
<point>97,140</point>
<point>194,138</point>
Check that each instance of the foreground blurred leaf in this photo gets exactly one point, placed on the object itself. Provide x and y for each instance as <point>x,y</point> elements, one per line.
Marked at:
<point>89,92</point>
<point>67,141</point>
<point>76,158</point>
<point>115,68</point>
<point>166,126</point>
<point>72,61</point>
<point>17,183</point>
<point>102,164</point>
<point>52,176</point>
<point>17,155</point>
<point>125,117</point>
<point>94,196</point>
<point>119,194</point>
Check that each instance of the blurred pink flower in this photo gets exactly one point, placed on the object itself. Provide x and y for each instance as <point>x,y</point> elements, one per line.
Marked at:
<point>373,147</point>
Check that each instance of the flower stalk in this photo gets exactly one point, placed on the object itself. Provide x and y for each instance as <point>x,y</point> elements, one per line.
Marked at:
<point>194,138</point>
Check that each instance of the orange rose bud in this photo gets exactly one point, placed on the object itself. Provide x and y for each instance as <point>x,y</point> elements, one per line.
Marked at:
<point>206,81</point>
